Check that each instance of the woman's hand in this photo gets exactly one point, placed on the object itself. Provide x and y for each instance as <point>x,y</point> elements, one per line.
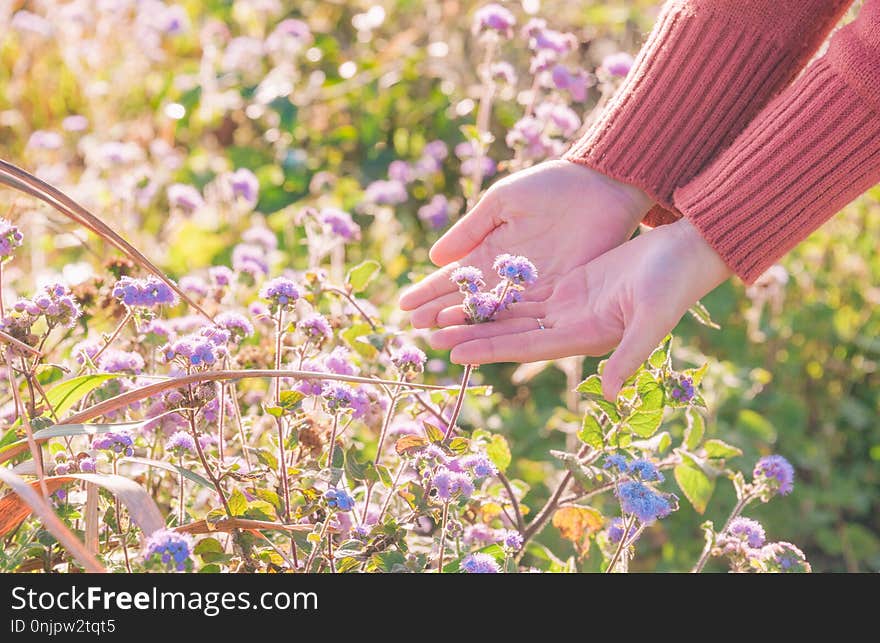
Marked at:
<point>558,214</point>
<point>630,297</point>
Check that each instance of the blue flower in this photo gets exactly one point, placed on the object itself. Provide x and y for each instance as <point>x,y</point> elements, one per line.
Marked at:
<point>339,499</point>
<point>480,564</point>
<point>616,461</point>
<point>645,503</point>
<point>173,549</point>
<point>516,269</point>
<point>645,470</point>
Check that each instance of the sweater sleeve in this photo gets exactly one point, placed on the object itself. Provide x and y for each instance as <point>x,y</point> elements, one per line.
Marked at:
<point>705,71</point>
<point>811,151</point>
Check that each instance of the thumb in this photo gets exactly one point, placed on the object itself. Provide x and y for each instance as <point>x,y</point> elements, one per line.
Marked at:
<point>469,231</point>
<point>640,338</point>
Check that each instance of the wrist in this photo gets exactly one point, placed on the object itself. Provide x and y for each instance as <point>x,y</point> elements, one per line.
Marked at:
<point>710,264</point>
<point>632,202</point>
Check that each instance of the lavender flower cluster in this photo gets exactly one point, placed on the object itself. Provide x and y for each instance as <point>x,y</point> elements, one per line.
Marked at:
<point>169,548</point>
<point>635,489</point>
<point>515,273</point>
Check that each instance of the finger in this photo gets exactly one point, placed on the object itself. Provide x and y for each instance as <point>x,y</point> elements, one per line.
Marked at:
<point>447,338</point>
<point>639,339</point>
<point>434,285</point>
<point>425,316</point>
<point>455,315</point>
<point>529,346</point>
<point>469,231</point>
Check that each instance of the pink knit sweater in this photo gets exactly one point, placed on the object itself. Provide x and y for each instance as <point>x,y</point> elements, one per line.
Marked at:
<point>713,125</point>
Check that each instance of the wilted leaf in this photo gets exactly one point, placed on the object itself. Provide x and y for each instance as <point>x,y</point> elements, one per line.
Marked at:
<point>577,524</point>
<point>409,444</point>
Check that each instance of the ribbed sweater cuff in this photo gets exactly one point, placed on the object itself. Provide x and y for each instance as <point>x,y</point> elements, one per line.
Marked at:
<point>810,152</point>
<point>684,100</point>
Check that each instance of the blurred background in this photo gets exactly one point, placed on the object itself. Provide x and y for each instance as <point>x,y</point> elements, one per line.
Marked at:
<point>114,100</point>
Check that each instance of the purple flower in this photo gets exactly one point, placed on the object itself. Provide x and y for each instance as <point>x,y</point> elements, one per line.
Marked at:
<point>468,166</point>
<point>261,236</point>
<point>576,83</point>
<point>237,324</point>
<point>88,464</point>
<point>339,499</point>
<point>494,17</point>
<point>400,171</point>
<point>527,135</point>
<point>385,193</point>
<point>144,293</point>
<point>551,41</point>
<point>289,38</point>
<point>742,531</point>
<point>173,20</point>
<point>195,285</point>
<point>310,387</point>
<point>339,362</point>
<point>644,502</point>
<point>337,396</point>
<point>618,64</point>
<point>682,389</point>
<point>87,348</point>
<point>782,558</point>
<point>561,116</point>
<point>437,150</point>
<point>244,185</point>
<point>250,259</point>
<point>480,564</point>
<point>504,72</point>
<point>10,238</point>
<point>195,350</point>
<point>645,470</point>
<point>450,483</point>
<point>478,465</point>
<point>480,307</point>
<point>56,303</point>
<point>75,123</point>
<point>436,212</point>
<point>115,442</point>
<point>181,441</point>
<point>409,360</point>
<point>186,197</point>
<point>157,330</point>
<point>169,547</point>
<point>221,275</point>
<point>117,361</point>
<point>340,223</point>
<point>281,293</point>
<point>315,327</point>
<point>513,540</point>
<point>516,269</point>
<point>44,140</point>
<point>775,473</point>
<point>468,279</point>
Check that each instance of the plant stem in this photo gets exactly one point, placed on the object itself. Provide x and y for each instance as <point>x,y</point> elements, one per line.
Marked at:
<point>122,536</point>
<point>208,470</point>
<point>627,525</point>
<point>279,423</point>
<point>443,538</point>
<point>388,416</point>
<point>520,523</point>
<point>391,492</point>
<point>458,402</point>
<point>484,112</point>
<point>707,550</point>
<point>544,514</point>
<point>112,337</point>
<point>318,545</point>
<point>332,440</point>
<point>21,412</point>
<point>180,514</point>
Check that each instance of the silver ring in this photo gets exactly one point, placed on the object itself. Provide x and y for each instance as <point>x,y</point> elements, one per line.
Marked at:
<point>540,323</point>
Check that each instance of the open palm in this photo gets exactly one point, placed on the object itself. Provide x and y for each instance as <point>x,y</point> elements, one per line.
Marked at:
<point>629,298</point>
<point>558,214</point>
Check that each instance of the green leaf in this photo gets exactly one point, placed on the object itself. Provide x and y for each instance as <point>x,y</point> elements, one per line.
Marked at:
<point>660,357</point>
<point>591,431</point>
<point>355,335</point>
<point>650,391</point>
<point>238,504</point>
<point>656,444</point>
<point>213,568</point>
<point>208,546</point>
<point>266,458</point>
<point>699,312</point>
<point>460,446</point>
<point>645,423</point>
<point>696,428</point>
<point>591,387</point>
<point>192,476</point>
<point>64,395</point>
<point>499,452</point>
<point>271,497</point>
<point>434,434</point>
<point>361,275</point>
<point>697,374</point>
<point>695,484</point>
<point>353,469</point>
<point>719,449</point>
<point>289,399</point>
<point>389,561</point>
